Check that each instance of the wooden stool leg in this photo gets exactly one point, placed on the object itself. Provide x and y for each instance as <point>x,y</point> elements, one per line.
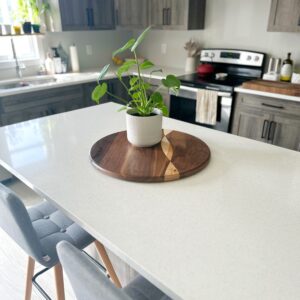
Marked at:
<point>30,273</point>
<point>59,282</point>
<point>107,263</point>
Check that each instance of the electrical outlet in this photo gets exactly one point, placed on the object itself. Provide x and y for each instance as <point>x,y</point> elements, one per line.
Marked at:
<point>163,48</point>
<point>89,49</point>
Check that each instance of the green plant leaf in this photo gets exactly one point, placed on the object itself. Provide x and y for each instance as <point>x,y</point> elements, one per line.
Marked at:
<point>157,98</point>
<point>122,108</point>
<point>125,67</point>
<point>133,80</point>
<point>147,64</point>
<point>165,111</point>
<point>171,81</point>
<point>103,72</point>
<point>128,45</point>
<point>140,39</point>
<point>99,91</point>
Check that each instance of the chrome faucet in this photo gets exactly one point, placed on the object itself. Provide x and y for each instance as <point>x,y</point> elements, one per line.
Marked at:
<point>19,66</point>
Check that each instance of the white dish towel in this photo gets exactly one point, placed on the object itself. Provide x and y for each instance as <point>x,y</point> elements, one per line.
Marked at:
<point>206,107</point>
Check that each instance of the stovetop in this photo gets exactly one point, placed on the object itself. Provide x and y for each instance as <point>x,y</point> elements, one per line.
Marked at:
<point>226,85</point>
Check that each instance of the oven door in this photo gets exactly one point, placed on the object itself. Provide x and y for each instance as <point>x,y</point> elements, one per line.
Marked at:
<point>183,107</point>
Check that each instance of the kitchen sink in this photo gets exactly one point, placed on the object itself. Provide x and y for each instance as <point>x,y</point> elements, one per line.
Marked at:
<point>26,82</point>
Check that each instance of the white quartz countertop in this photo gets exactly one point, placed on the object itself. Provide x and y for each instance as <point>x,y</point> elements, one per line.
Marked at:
<point>266,94</point>
<point>68,79</point>
<point>229,232</point>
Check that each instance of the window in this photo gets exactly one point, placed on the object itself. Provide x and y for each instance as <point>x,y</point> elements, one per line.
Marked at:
<point>26,46</point>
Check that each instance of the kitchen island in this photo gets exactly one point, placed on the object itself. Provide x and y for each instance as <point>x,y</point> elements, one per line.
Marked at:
<point>229,232</point>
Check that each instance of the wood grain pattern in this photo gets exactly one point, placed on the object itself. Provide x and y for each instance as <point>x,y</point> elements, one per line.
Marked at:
<point>178,155</point>
<point>284,88</point>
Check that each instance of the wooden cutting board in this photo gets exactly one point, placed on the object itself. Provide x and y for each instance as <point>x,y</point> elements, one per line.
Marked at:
<point>284,88</point>
<point>178,155</point>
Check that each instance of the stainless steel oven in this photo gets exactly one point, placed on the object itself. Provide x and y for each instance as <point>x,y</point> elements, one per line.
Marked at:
<point>183,107</point>
<point>235,66</point>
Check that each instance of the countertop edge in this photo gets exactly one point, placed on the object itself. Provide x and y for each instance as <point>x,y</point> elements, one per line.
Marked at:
<point>266,94</point>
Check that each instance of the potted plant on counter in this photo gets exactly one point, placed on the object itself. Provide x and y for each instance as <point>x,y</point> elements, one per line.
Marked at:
<point>145,109</point>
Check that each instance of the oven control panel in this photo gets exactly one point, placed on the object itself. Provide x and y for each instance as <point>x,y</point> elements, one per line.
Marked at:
<point>231,56</point>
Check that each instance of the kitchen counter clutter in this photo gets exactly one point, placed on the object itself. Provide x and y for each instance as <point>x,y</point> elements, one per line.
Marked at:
<point>229,232</point>
<point>48,95</point>
<point>62,80</point>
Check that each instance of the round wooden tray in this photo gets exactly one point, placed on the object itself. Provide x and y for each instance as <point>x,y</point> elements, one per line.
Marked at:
<point>178,155</point>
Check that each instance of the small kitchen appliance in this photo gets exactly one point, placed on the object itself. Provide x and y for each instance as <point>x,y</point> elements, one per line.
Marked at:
<point>236,66</point>
<point>273,70</point>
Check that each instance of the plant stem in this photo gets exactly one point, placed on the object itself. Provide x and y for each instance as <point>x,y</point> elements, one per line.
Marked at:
<point>116,97</point>
<point>140,79</point>
<point>122,82</point>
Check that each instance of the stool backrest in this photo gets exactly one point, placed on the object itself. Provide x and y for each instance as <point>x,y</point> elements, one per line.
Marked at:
<point>15,221</point>
<point>86,278</point>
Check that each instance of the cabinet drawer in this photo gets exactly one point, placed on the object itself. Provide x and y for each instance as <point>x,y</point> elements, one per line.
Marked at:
<point>269,104</point>
<point>44,97</point>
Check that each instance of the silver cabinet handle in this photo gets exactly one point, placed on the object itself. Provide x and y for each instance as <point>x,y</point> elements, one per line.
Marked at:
<point>165,16</point>
<point>272,129</point>
<point>265,129</point>
<point>169,14</point>
<point>272,106</point>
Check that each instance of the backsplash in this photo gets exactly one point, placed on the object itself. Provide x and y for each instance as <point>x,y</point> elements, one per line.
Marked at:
<point>101,43</point>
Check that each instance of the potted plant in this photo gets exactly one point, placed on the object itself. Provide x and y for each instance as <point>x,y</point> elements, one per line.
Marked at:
<point>193,50</point>
<point>22,14</point>
<point>35,11</point>
<point>144,110</point>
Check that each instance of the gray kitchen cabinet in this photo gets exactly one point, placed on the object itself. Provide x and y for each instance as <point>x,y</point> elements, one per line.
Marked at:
<point>268,120</point>
<point>251,123</point>
<point>132,14</point>
<point>27,106</point>
<point>284,16</point>
<point>286,131</point>
<point>177,14</point>
<point>102,14</point>
<point>74,15</point>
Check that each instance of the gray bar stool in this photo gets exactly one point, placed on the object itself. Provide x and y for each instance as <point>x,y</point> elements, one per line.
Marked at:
<point>37,230</point>
<point>89,282</point>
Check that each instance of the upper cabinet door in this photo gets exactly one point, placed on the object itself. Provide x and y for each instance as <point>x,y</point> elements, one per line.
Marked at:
<point>132,14</point>
<point>177,14</point>
<point>86,14</point>
<point>74,14</point>
<point>101,14</point>
<point>158,13</point>
<point>284,16</point>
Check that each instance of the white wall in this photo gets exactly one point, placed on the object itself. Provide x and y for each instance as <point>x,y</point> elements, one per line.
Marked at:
<point>103,44</point>
<point>240,24</point>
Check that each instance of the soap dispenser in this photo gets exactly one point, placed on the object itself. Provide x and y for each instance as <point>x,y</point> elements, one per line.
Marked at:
<point>57,61</point>
<point>49,65</point>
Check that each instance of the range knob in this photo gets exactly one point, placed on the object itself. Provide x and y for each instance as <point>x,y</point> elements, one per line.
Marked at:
<point>206,54</point>
<point>212,55</point>
<point>256,58</point>
<point>249,57</point>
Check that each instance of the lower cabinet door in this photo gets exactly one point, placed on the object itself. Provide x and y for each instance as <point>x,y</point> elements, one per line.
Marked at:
<point>285,132</point>
<point>252,124</point>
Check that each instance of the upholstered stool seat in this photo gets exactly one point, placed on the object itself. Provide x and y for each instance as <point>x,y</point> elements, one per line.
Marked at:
<point>89,282</point>
<point>37,230</point>
<point>51,227</point>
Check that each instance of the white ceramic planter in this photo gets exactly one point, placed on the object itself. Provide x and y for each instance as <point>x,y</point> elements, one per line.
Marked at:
<point>144,131</point>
